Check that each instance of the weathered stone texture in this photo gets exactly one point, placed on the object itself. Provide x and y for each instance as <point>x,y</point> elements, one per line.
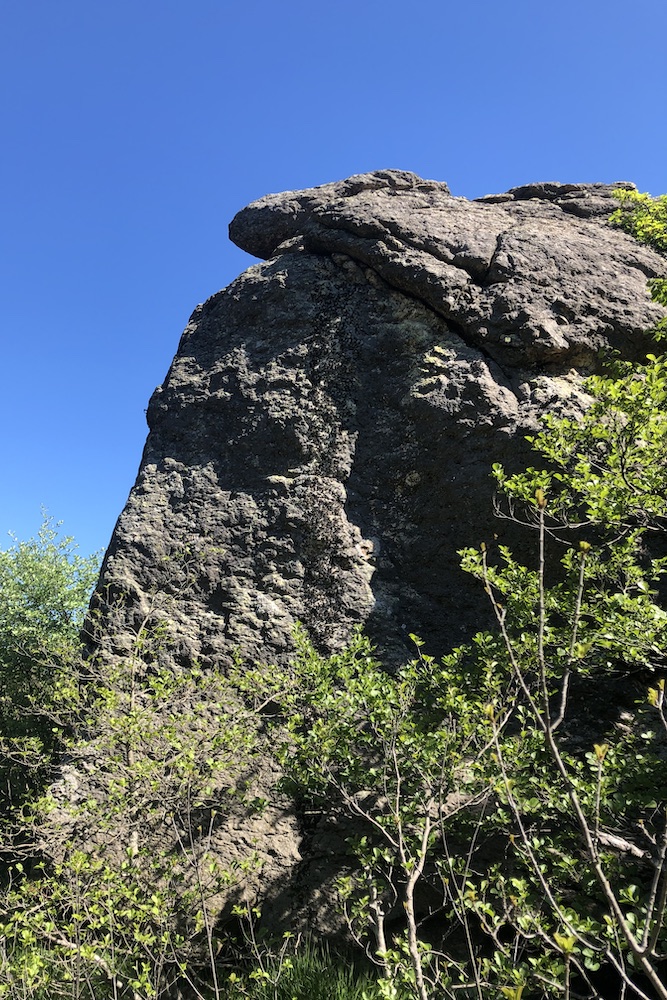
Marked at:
<point>322,443</point>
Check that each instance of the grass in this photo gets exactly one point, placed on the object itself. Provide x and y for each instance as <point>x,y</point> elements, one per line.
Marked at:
<point>312,973</point>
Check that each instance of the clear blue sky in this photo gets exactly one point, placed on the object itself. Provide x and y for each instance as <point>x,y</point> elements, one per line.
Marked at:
<point>133,130</point>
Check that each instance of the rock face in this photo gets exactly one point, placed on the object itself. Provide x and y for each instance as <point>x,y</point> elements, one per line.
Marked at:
<point>322,443</point>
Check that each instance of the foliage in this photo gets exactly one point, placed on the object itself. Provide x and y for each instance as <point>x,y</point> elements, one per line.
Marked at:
<point>588,818</point>
<point>397,753</point>
<point>645,218</point>
<point>151,762</point>
<point>44,591</point>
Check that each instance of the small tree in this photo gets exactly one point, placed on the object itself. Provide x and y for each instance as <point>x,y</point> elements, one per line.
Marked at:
<point>45,587</point>
<point>585,874</point>
<point>125,903</point>
<point>396,754</point>
<point>114,880</point>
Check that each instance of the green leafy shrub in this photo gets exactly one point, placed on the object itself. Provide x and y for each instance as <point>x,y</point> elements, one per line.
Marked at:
<point>44,592</point>
<point>645,218</point>
<point>45,587</point>
<point>397,753</point>
<point>113,881</point>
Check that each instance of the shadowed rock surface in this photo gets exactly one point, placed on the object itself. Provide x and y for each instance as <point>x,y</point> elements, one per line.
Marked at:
<point>321,445</point>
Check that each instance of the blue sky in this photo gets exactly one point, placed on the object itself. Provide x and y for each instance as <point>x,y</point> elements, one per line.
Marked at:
<point>134,130</point>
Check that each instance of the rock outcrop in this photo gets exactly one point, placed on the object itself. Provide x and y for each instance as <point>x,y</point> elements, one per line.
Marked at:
<point>321,445</point>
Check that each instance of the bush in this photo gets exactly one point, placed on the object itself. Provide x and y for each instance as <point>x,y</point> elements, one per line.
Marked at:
<point>45,587</point>
<point>112,882</point>
<point>44,592</point>
<point>645,218</point>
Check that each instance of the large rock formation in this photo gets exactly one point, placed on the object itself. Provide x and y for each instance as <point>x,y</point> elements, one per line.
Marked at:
<point>321,445</point>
